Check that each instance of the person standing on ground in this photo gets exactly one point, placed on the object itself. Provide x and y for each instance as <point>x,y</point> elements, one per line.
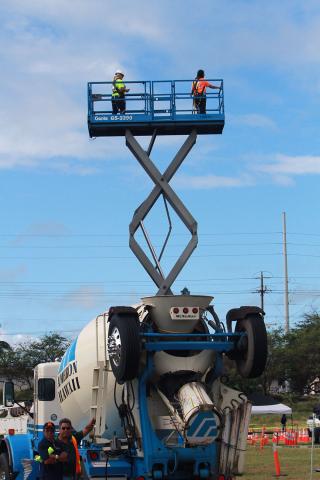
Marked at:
<point>71,470</point>
<point>119,91</point>
<point>284,422</point>
<point>199,87</point>
<point>50,455</point>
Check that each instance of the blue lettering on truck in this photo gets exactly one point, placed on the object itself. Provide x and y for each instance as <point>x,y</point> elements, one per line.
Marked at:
<point>68,380</point>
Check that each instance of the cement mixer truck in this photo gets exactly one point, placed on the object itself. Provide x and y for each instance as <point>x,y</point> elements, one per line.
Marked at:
<point>151,374</point>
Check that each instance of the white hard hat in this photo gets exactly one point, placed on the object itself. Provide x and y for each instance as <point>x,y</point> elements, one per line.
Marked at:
<point>119,72</point>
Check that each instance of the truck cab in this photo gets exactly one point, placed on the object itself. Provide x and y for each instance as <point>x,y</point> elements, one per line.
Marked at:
<point>46,402</point>
<point>18,450</point>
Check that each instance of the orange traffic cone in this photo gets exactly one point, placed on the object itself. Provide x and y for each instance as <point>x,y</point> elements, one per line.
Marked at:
<point>276,460</point>
<point>306,438</point>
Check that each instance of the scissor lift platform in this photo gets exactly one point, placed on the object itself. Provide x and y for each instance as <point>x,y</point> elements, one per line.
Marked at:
<point>164,106</point>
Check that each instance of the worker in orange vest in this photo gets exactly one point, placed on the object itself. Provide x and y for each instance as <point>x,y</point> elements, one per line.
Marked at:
<point>198,91</point>
<point>69,442</point>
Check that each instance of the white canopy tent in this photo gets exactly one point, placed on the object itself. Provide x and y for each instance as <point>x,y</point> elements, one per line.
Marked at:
<point>278,409</point>
<point>264,404</point>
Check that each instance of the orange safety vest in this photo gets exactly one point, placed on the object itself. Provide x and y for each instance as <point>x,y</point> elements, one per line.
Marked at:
<point>199,86</point>
<point>78,464</point>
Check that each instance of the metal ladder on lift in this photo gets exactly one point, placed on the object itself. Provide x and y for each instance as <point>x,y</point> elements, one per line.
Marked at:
<point>161,188</point>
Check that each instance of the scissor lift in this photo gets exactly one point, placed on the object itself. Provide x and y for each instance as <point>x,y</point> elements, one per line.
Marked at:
<point>157,108</point>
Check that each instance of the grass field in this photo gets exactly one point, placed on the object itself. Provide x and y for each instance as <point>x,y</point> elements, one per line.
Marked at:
<point>295,462</point>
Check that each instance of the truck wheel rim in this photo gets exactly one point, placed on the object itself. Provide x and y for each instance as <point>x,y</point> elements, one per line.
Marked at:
<point>114,347</point>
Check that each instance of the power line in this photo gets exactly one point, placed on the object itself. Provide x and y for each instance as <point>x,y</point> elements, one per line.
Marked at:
<point>38,332</point>
<point>124,257</point>
<point>21,235</point>
<point>237,244</point>
<point>71,235</point>
<point>292,277</point>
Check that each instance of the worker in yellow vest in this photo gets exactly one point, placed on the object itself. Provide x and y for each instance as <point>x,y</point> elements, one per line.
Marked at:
<point>50,455</point>
<point>71,470</point>
<point>119,91</point>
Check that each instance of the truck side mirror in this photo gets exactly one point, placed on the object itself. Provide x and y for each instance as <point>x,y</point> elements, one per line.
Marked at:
<point>8,394</point>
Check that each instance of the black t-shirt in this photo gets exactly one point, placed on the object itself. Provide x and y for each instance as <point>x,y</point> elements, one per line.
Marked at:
<point>52,471</point>
<point>69,467</point>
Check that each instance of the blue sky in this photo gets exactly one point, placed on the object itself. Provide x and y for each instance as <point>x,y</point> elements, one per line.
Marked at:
<point>66,200</point>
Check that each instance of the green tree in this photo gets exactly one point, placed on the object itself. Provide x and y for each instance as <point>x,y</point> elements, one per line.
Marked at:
<point>294,357</point>
<point>302,354</point>
<point>18,362</point>
<point>4,346</point>
<point>46,349</point>
<point>275,367</point>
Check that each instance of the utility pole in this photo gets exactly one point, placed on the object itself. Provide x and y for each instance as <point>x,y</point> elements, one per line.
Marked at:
<point>262,290</point>
<point>286,283</point>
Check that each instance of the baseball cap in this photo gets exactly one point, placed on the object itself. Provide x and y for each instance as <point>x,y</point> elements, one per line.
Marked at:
<point>48,426</point>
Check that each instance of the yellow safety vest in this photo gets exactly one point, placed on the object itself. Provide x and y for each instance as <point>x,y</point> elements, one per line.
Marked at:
<point>118,85</point>
<point>38,458</point>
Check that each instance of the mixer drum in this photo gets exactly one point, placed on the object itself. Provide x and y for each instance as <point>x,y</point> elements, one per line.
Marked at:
<point>201,419</point>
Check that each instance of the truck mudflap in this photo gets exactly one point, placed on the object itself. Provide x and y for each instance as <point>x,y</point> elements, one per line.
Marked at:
<point>240,313</point>
<point>236,417</point>
<point>20,455</point>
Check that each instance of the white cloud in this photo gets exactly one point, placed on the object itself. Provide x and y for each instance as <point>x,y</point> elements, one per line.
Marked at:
<point>281,170</point>
<point>270,37</point>
<point>49,228</point>
<point>85,297</point>
<point>139,20</point>
<point>212,181</point>
<point>292,165</point>
<point>49,50</point>
<point>252,120</point>
<point>15,339</point>
<point>12,274</point>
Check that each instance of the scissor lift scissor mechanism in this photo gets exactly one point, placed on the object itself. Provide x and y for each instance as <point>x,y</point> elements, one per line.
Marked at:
<point>161,188</point>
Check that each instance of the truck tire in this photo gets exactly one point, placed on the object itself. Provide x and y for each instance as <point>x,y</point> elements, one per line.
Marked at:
<point>4,467</point>
<point>251,356</point>
<point>124,347</point>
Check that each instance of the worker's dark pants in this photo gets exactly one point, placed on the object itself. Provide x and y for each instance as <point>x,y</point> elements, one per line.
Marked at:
<point>201,104</point>
<point>118,105</point>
